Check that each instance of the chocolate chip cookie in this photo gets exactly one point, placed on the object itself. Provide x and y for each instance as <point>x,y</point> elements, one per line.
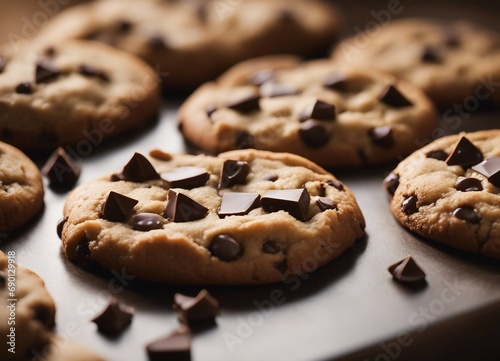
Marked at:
<point>194,41</point>
<point>245,217</point>
<point>333,115</point>
<point>72,93</point>
<point>453,62</point>
<point>21,189</point>
<point>449,191</point>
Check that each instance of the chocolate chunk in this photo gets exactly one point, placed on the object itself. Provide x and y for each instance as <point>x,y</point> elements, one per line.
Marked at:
<point>281,266</point>
<point>45,72</point>
<point>91,71</point>
<point>262,76</point>
<point>115,318</point>
<point>238,204</point>
<point>181,208</point>
<point>391,183</point>
<point>431,54</point>
<point>335,184</point>
<point>468,185</point>
<point>245,105</point>
<point>490,168</point>
<point>61,170</point>
<point>271,178</point>
<point>210,109</point>
<point>325,204</point>
<point>60,226</point>
<point>407,271</point>
<point>82,254</point>
<point>314,134</point>
<point>186,177</point>
<point>465,154</point>
<point>437,154</point>
<point>293,201</point>
<point>271,247</point>
<point>3,64</point>
<point>43,315</point>
<point>118,207</point>
<point>233,172</point>
<point>192,310</point>
<point>146,222</point>
<point>124,26</point>
<point>272,90</point>
<point>244,140</point>
<point>24,88</point>
<point>138,169</point>
<point>157,42</point>
<point>382,136</point>
<point>392,97</point>
<point>409,205</point>
<point>467,214</point>
<point>336,81</point>
<point>319,111</point>
<point>174,347</point>
<point>226,248</point>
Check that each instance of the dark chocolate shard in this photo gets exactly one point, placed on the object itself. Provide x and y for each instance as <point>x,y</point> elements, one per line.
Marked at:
<point>465,154</point>
<point>468,185</point>
<point>118,207</point>
<point>393,97</point>
<point>238,204</point>
<point>438,155</point>
<point>90,71</point>
<point>325,204</point>
<point>24,88</point>
<point>336,81</point>
<point>273,90</point>
<point>293,201</point>
<point>391,183</point>
<point>244,140</point>
<point>490,168</point>
<point>246,104</point>
<point>138,169</point>
<point>382,136</point>
<point>320,111</point>
<point>262,76</point>
<point>233,172</point>
<point>407,271</point>
<point>45,72</point>
<point>226,248</point>
<point>174,347</point>
<point>186,177</point>
<point>467,214</point>
<point>192,310</point>
<point>115,318</point>
<point>409,205</point>
<point>61,170</point>
<point>83,255</point>
<point>314,134</point>
<point>146,222</point>
<point>181,208</point>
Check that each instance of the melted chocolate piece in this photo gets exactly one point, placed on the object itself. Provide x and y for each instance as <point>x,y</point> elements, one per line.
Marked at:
<point>407,271</point>
<point>24,88</point>
<point>45,71</point>
<point>382,137</point>
<point>238,204</point>
<point>314,134</point>
<point>409,205</point>
<point>226,248</point>
<point>490,168</point>
<point>393,97</point>
<point>90,71</point>
<point>115,318</point>
<point>468,185</point>
<point>61,170</point>
<point>181,208</point>
<point>293,201</point>
<point>438,155</point>
<point>467,214</point>
<point>118,207</point>
<point>325,204</point>
<point>247,104</point>
<point>174,347</point>
<point>391,183</point>
<point>138,169</point>
<point>186,177</point>
<point>82,254</point>
<point>465,154</point>
<point>233,172</point>
<point>335,184</point>
<point>192,310</point>
<point>146,222</point>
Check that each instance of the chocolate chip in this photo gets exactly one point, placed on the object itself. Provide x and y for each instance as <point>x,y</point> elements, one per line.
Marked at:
<point>431,54</point>
<point>210,109</point>
<point>61,170</point>
<point>393,97</point>
<point>82,254</point>
<point>245,105</point>
<point>60,226</point>
<point>293,201</point>
<point>262,76</point>
<point>336,81</point>
<point>233,172</point>
<point>43,315</point>
<point>245,140</point>
<point>319,111</point>
<point>271,178</point>
<point>6,133</point>
<point>3,64</point>
<point>24,88</point>
<point>281,266</point>
<point>175,347</point>
<point>437,154</point>
<point>192,310</point>
<point>115,318</point>
<point>118,207</point>
<point>467,214</point>
<point>138,169</point>
<point>490,168</point>
<point>465,154</point>
<point>382,136</point>
<point>124,26</point>
<point>225,248</point>
<point>238,204</point>
<point>407,271</point>
<point>157,42</point>
<point>325,204</point>
<point>3,279</point>
<point>335,184</point>
<point>146,222</point>
<point>409,205</point>
<point>186,177</point>
<point>468,185</point>
<point>314,134</point>
<point>46,71</point>
<point>272,90</point>
<point>271,247</point>
<point>91,71</point>
<point>391,183</point>
<point>181,208</point>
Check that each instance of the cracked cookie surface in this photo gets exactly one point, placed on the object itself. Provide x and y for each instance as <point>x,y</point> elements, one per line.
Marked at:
<point>245,217</point>
<point>449,191</point>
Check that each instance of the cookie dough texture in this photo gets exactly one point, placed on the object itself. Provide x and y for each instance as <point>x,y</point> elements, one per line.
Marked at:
<point>72,93</point>
<point>21,189</point>
<point>194,41</point>
<point>179,252</point>
<point>433,183</point>
<point>276,124</point>
<point>450,61</point>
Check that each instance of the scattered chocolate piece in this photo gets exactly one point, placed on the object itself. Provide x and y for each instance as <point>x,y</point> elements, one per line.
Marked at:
<point>382,136</point>
<point>91,71</point>
<point>245,105</point>
<point>146,222</point>
<point>314,134</point>
<point>293,201</point>
<point>467,214</point>
<point>124,26</point>
<point>407,271</point>
<point>82,254</point>
<point>186,177</point>
<point>3,64</point>
<point>336,81</point>
<point>118,207</point>
<point>490,168</point>
<point>174,347</point>
<point>138,169</point>
<point>115,318</point>
<point>335,184</point>
<point>191,310</point>
<point>3,279</point>
<point>438,154</point>
<point>468,185</point>
<point>181,208</point>
<point>244,140</point>
<point>272,90</point>
<point>391,183</point>
<point>45,71</point>
<point>157,42</point>
<point>24,88</point>
<point>60,226</point>
<point>233,172</point>
<point>262,77</point>
<point>226,248</point>
<point>61,169</point>
<point>325,204</point>
<point>465,154</point>
<point>210,109</point>
<point>271,247</point>
<point>431,54</point>
<point>319,111</point>
<point>392,97</point>
<point>409,205</point>
<point>238,204</point>
<point>271,178</point>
